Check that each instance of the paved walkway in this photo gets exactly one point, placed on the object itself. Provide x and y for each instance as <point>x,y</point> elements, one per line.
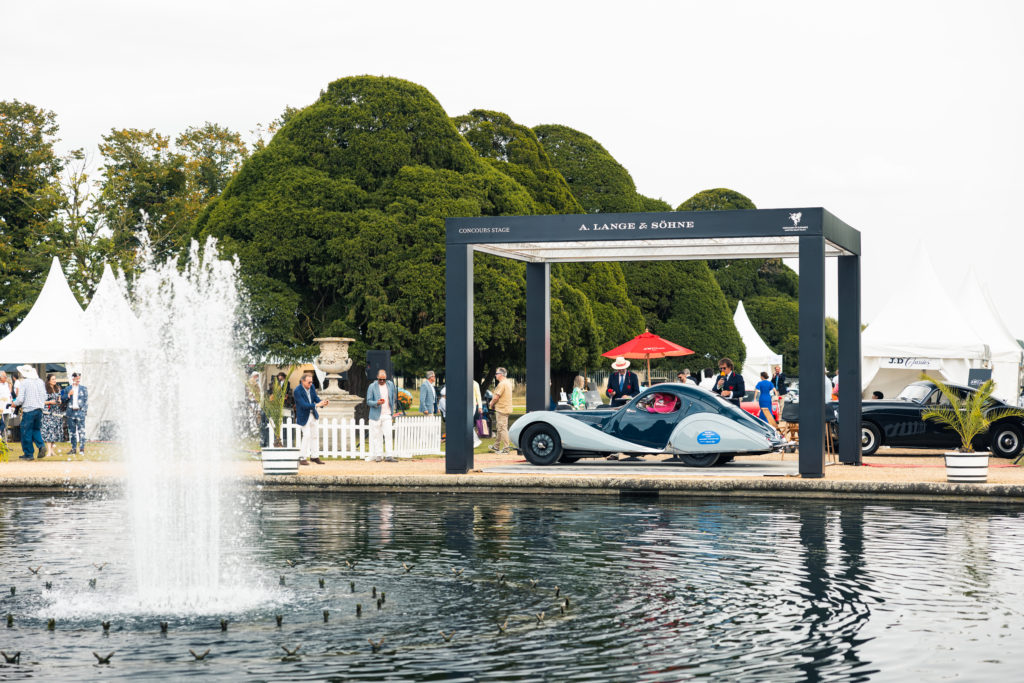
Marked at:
<point>656,468</point>
<point>890,474</point>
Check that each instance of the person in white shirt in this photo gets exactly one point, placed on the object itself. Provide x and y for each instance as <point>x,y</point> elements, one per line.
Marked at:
<point>6,396</point>
<point>382,397</point>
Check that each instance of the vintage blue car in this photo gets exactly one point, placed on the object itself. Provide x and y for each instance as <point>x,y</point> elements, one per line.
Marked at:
<point>898,423</point>
<point>697,427</point>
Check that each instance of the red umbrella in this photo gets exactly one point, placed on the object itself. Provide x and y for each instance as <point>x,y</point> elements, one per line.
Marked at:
<point>648,345</point>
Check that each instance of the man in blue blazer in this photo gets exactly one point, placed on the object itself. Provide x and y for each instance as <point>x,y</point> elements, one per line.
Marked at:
<point>76,405</point>
<point>622,384</point>
<point>428,395</point>
<point>307,417</point>
<point>382,397</point>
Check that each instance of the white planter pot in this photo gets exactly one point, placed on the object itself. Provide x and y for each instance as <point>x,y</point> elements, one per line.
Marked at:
<point>280,460</point>
<point>967,468</point>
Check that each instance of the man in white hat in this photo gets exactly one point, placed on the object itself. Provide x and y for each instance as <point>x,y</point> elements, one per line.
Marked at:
<point>622,385</point>
<point>31,399</point>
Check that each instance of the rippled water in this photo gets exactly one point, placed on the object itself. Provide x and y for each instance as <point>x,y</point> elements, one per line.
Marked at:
<point>659,590</point>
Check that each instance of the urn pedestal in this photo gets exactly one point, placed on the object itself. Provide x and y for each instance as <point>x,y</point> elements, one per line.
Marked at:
<point>334,360</point>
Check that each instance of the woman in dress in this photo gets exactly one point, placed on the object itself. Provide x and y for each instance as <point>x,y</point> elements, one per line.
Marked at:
<point>578,400</point>
<point>764,393</point>
<point>53,416</point>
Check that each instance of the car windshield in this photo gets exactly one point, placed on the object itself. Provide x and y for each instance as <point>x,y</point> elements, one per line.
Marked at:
<point>915,392</point>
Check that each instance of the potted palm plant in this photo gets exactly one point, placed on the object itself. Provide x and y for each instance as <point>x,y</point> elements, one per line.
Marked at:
<point>969,416</point>
<point>276,458</point>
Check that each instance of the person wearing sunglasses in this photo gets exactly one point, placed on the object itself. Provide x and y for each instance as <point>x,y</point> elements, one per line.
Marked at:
<point>729,385</point>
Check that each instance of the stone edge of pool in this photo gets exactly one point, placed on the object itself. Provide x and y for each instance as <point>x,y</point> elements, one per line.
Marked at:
<point>605,485</point>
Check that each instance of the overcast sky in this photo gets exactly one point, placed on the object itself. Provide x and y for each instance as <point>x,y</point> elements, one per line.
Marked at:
<point>902,118</point>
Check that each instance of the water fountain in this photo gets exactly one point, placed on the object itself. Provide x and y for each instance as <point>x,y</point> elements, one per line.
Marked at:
<point>178,388</point>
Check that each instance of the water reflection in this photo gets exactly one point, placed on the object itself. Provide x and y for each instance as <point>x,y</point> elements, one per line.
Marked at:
<point>659,590</point>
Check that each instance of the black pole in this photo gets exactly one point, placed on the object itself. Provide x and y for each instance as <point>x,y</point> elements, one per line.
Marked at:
<point>458,458</point>
<point>812,356</point>
<point>849,360</point>
<point>538,336</point>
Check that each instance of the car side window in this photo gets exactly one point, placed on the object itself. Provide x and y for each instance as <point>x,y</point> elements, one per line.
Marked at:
<point>659,403</point>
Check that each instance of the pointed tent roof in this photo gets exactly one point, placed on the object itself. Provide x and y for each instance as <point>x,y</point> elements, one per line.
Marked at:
<point>921,320</point>
<point>759,355</point>
<point>983,317</point>
<point>109,320</point>
<point>47,334</point>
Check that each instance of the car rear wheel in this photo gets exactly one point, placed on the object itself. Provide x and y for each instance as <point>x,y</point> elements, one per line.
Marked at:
<point>541,444</point>
<point>1006,441</point>
<point>870,438</point>
<point>699,459</point>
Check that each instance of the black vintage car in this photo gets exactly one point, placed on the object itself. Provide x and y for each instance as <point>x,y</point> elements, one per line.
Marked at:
<point>898,423</point>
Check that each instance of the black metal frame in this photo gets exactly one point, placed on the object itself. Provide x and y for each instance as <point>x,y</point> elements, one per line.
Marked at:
<point>810,234</point>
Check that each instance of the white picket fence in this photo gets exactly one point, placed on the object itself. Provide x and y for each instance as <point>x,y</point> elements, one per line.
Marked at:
<point>411,435</point>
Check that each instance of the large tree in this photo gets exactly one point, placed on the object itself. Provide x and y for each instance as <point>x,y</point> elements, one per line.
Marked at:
<point>598,181</point>
<point>152,191</point>
<point>605,316</point>
<point>30,198</point>
<point>339,226</point>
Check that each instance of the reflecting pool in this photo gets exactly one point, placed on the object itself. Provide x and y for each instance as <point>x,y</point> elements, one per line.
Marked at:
<point>534,588</point>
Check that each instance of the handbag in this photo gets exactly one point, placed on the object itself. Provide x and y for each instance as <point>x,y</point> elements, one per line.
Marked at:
<point>482,428</point>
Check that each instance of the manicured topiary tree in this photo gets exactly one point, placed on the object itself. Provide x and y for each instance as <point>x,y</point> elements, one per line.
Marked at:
<point>339,224</point>
<point>604,317</point>
<point>598,181</point>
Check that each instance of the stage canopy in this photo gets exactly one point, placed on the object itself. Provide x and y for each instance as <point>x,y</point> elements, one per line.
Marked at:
<point>810,234</point>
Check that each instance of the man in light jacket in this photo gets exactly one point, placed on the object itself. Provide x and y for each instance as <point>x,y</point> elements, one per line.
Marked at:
<point>382,397</point>
<point>501,402</point>
<point>428,395</point>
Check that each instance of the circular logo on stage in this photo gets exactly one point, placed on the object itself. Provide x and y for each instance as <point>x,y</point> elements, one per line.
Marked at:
<point>708,437</point>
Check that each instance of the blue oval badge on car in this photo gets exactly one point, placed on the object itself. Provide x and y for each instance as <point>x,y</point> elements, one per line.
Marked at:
<point>708,437</point>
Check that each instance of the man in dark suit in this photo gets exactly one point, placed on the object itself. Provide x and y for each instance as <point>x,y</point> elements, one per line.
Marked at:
<point>780,384</point>
<point>622,385</point>
<point>307,417</point>
<point>76,404</point>
<point>729,385</point>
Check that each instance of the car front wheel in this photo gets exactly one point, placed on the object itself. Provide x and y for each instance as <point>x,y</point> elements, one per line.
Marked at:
<point>870,438</point>
<point>1006,441</point>
<point>541,444</point>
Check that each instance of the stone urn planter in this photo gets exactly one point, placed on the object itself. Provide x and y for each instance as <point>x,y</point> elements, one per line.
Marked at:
<point>280,460</point>
<point>333,360</point>
<point>966,468</point>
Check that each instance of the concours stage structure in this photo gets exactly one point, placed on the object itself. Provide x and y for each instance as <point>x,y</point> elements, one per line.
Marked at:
<point>810,234</point>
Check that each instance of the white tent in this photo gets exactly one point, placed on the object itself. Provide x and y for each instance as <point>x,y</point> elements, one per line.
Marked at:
<point>759,358</point>
<point>111,329</point>
<point>52,331</point>
<point>1004,350</point>
<point>921,329</point>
